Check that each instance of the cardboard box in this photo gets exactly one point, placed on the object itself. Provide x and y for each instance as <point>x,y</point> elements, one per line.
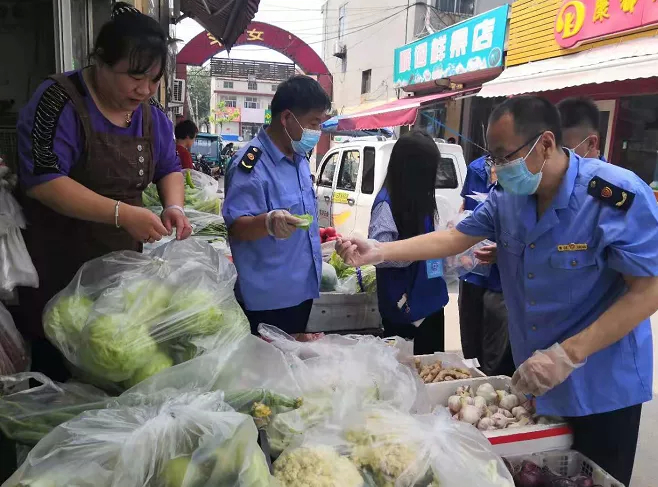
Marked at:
<point>514,441</point>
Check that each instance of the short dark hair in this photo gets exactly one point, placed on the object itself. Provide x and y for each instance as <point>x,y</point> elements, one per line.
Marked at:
<point>129,34</point>
<point>579,112</point>
<point>300,95</point>
<point>186,129</point>
<point>531,114</point>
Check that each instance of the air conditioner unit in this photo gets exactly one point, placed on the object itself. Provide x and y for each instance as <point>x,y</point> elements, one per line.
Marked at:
<point>178,91</point>
<point>178,110</point>
<point>340,50</point>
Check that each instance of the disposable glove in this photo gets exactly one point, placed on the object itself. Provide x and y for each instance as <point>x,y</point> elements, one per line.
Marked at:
<point>543,371</point>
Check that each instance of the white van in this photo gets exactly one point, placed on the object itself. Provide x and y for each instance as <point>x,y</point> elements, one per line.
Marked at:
<point>350,176</point>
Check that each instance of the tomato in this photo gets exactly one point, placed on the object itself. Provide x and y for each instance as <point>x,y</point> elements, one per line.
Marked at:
<point>332,239</point>
<point>331,232</point>
<point>323,232</point>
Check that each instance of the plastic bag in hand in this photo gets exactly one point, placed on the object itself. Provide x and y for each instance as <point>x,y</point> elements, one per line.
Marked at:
<point>13,356</point>
<point>391,448</point>
<point>16,267</point>
<point>458,265</point>
<point>127,316</point>
<point>188,440</point>
<point>26,416</point>
<point>203,224</point>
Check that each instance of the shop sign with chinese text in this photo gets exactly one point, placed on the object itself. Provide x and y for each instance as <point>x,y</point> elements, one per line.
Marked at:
<point>580,21</point>
<point>471,45</point>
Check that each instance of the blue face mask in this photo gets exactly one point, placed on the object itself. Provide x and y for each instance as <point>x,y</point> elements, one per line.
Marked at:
<point>516,178</point>
<point>307,143</point>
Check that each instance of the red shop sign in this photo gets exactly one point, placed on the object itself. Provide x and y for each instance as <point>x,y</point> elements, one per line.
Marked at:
<point>581,21</point>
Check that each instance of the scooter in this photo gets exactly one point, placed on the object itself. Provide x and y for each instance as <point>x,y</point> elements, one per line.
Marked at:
<point>202,166</point>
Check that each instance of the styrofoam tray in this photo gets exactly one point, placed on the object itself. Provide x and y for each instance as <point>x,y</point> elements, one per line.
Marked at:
<point>569,463</point>
<point>515,441</point>
<point>335,312</point>
<point>450,360</point>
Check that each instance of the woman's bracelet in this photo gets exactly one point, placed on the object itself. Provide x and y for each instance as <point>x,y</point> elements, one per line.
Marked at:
<point>174,207</point>
<point>116,214</point>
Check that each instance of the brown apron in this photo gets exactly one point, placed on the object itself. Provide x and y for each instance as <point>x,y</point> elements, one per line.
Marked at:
<point>115,166</point>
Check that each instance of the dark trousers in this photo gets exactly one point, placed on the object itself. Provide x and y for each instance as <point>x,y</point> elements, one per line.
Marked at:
<point>291,320</point>
<point>609,440</point>
<point>483,329</point>
<point>428,338</point>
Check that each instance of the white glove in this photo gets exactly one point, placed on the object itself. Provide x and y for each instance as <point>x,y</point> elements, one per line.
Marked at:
<point>358,252</point>
<point>543,371</point>
<point>281,224</point>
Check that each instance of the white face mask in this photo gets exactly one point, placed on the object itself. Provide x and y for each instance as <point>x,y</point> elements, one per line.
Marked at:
<point>581,143</point>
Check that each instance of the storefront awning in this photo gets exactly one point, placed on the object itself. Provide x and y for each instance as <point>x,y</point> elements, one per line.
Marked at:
<point>633,59</point>
<point>224,19</point>
<point>394,114</point>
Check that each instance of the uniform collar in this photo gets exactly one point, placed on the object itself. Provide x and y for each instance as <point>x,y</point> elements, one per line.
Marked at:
<point>568,182</point>
<point>271,149</point>
<point>478,166</point>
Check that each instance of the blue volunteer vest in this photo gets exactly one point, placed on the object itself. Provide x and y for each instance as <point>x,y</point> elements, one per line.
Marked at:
<point>424,296</point>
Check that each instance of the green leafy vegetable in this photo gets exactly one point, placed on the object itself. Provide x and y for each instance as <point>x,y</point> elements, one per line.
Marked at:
<point>307,220</point>
<point>65,320</point>
<point>156,364</point>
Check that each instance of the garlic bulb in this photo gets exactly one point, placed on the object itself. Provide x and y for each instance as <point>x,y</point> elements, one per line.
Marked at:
<point>469,414</point>
<point>454,404</point>
<point>520,411</point>
<point>485,424</point>
<point>480,403</point>
<point>509,402</point>
<point>486,391</point>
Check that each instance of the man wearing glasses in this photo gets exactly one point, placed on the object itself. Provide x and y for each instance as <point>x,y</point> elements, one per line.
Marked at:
<point>578,258</point>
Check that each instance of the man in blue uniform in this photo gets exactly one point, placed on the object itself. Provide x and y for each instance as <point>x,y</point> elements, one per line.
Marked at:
<point>580,126</point>
<point>279,265</point>
<point>482,311</point>
<point>578,258</point>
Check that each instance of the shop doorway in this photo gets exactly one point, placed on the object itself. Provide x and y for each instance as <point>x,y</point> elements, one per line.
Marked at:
<point>607,115</point>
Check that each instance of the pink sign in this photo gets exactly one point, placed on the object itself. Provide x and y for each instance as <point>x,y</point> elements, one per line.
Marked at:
<point>580,21</point>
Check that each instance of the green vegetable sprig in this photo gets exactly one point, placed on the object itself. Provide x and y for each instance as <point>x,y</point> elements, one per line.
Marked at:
<point>307,220</point>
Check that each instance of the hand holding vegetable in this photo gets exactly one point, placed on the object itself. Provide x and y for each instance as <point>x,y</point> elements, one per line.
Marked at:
<point>358,252</point>
<point>174,217</point>
<point>140,223</point>
<point>543,371</point>
<point>281,224</point>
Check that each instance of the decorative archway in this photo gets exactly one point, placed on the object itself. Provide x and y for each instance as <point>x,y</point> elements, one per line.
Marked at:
<point>204,46</point>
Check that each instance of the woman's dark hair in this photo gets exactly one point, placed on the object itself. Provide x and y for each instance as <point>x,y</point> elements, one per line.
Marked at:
<point>410,182</point>
<point>129,34</point>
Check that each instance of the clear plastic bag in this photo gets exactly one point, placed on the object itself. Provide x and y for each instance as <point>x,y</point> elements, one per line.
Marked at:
<point>458,265</point>
<point>187,440</point>
<point>203,224</point>
<point>26,416</point>
<point>127,316</point>
<point>16,267</point>
<point>201,193</point>
<point>391,448</point>
<point>353,280</point>
<point>13,355</point>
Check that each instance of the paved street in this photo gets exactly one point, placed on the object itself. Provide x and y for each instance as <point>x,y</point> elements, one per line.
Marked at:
<point>645,473</point>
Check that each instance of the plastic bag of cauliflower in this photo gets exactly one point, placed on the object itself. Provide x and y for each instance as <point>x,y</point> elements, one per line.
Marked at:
<point>187,440</point>
<point>383,447</point>
<point>127,316</point>
<point>334,367</point>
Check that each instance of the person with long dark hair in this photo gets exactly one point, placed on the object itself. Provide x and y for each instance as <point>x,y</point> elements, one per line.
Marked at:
<point>90,141</point>
<point>411,295</point>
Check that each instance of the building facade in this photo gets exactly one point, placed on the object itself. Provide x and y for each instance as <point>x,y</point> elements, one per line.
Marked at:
<point>241,95</point>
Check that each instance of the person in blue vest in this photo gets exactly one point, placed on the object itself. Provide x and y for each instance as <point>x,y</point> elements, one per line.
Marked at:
<point>268,182</point>
<point>580,126</point>
<point>578,259</point>
<point>482,310</point>
<point>411,296</point>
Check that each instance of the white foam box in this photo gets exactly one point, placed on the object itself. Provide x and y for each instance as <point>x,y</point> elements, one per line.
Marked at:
<point>515,441</point>
<point>450,360</point>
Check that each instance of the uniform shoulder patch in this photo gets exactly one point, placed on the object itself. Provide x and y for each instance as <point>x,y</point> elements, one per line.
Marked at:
<point>155,103</point>
<point>609,193</point>
<point>250,158</point>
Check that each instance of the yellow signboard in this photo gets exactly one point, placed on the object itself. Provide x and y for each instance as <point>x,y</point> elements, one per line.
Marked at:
<point>531,34</point>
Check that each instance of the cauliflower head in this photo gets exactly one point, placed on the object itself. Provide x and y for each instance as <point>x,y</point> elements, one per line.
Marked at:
<point>317,466</point>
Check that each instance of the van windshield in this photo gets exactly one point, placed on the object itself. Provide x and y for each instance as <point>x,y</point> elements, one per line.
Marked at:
<point>205,147</point>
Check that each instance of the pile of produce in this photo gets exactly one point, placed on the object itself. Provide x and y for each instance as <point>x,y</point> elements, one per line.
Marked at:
<point>200,193</point>
<point>180,441</point>
<point>13,356</point>
<point>339,277</point>
<point>529,474</point>
<point>380,446</point>
<point>435,372</point>
<point>127,316</point>
<point>329,234</point>
<point>490,409</point>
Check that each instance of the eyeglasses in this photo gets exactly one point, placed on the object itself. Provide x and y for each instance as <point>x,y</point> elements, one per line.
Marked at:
<point>492,160</point>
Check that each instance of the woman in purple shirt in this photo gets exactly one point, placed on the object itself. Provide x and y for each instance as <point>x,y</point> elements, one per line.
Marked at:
<point>89,142</point>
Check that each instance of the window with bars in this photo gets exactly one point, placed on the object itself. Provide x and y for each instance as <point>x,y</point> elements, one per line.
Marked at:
<point>366,80</point>
<point>230,101</point>
<point>342,18</point>
<point>251,102</point>
<point>252,85</point>
<point>228,85</point>
<point>463,7</point>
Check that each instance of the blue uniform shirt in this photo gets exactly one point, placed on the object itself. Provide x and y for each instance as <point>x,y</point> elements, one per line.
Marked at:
<point>553,293</point>
<point>477,181</point>
<point>273,273</point>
